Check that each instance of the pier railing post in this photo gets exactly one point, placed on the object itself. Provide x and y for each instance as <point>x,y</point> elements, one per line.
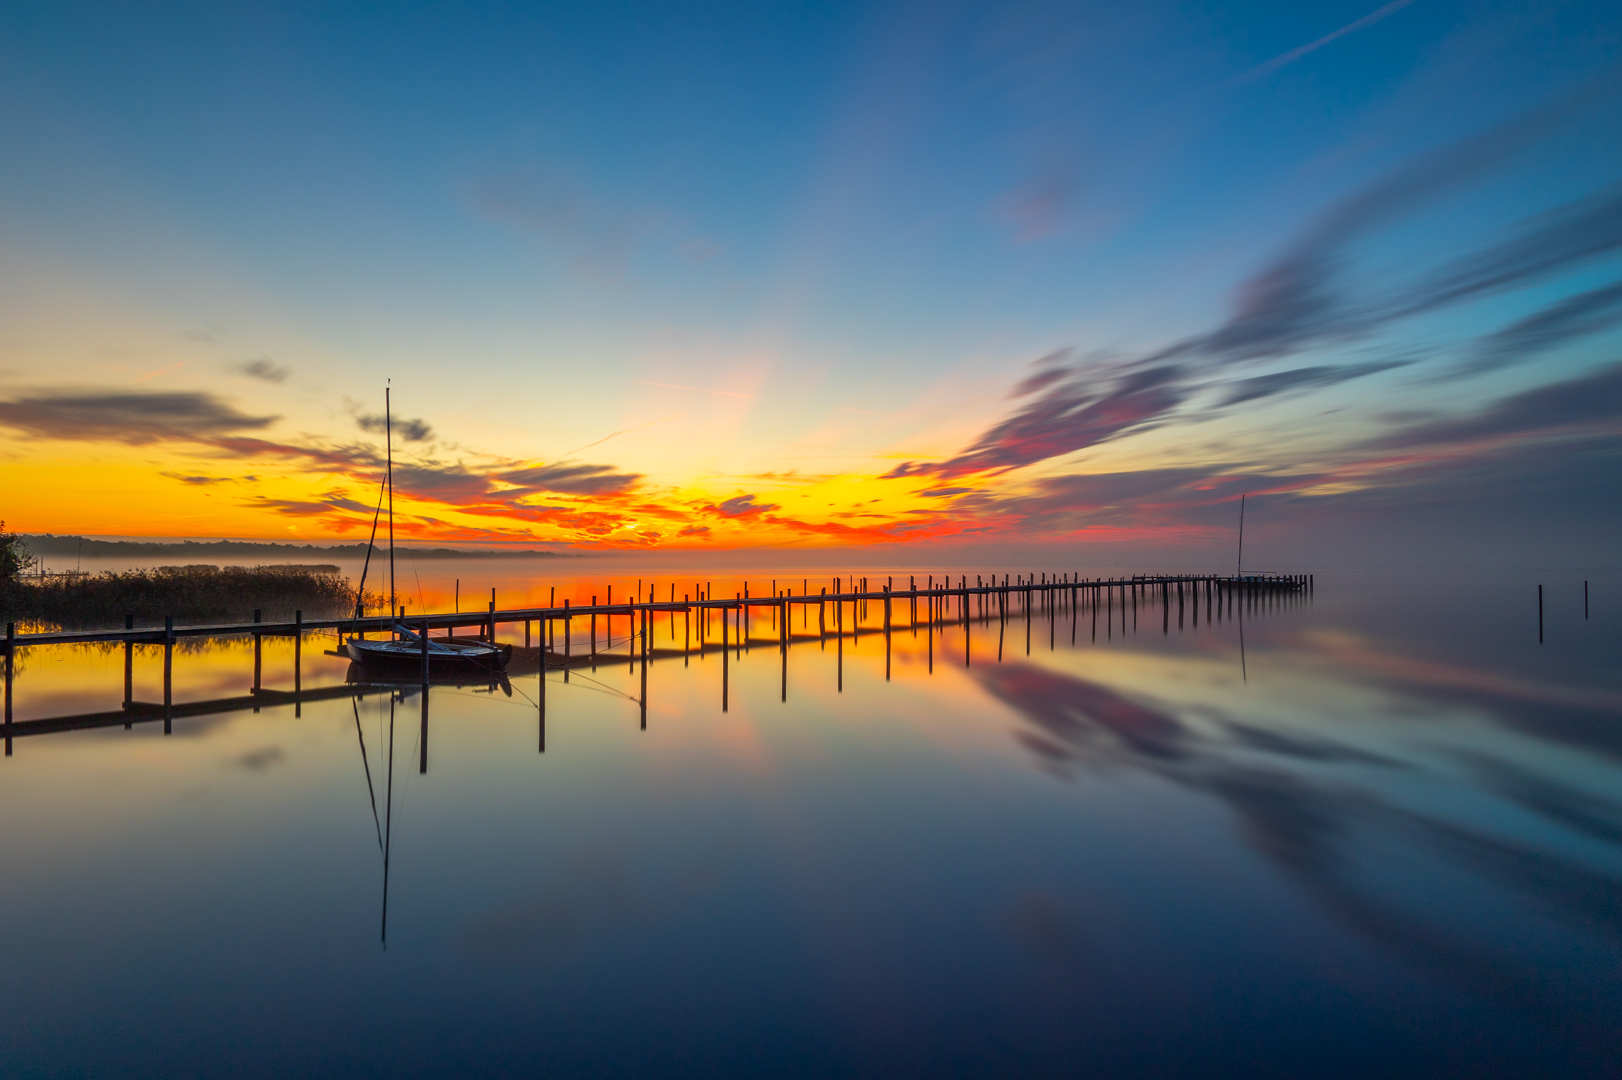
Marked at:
<point>129,663</point>
<point>540,694</point>
<point>11,650</point>
<point>258,654</point>
<point>298,661</point>
<point>168,672</point>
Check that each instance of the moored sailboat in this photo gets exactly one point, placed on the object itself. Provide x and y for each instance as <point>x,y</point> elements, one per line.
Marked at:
<point>404,645</point>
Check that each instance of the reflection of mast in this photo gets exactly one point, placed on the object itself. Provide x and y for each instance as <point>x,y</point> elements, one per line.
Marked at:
<point>1244,675</point>
<point>367,765</point>
<point>388,822</point>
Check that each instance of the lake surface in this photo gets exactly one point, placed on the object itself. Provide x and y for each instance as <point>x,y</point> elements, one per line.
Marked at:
<point>1376,831</point>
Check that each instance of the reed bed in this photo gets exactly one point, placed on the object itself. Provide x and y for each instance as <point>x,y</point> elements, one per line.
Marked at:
<point>191,594</point>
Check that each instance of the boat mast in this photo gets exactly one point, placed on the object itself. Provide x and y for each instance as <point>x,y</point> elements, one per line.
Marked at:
<point>388,438</point>
<point>1238,567</point>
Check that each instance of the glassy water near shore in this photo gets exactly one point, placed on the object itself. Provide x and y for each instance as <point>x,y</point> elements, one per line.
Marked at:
<point>1377,831</point>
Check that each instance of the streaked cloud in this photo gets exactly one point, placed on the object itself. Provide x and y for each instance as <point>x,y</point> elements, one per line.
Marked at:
<point>407,429</point>
<point>574,479</point>
<point>1280,382</point>
<point>1564,321</point>
<point>264,369</point>
<point>1592,400</point>
<point>135,419</point>
<point>1283,59</point>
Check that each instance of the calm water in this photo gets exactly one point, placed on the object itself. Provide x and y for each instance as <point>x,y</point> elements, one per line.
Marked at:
<point>1377,833</point>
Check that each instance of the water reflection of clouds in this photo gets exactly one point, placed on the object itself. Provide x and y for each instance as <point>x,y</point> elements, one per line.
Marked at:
<point>1411,840</point>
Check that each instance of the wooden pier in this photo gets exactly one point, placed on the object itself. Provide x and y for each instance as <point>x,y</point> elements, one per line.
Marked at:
<point>944,604</point>
<point>486,621</point>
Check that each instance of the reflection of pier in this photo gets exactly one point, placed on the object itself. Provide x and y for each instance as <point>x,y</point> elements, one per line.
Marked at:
<point>147,712</point>
<point>932,609</point>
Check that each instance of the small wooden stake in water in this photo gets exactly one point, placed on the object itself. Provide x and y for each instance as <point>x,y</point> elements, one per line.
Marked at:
<point>1540,614</point>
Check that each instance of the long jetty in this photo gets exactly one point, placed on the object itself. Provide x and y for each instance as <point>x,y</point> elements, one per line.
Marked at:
<point>1144,586</point>
<point>982,601</point>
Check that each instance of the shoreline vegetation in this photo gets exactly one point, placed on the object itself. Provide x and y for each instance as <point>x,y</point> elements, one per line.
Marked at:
<point>195,551</point>
<point>192,593</point>
<point>199,593</point>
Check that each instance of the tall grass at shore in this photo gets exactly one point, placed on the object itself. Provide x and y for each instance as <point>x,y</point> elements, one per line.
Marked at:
<point>191,594</point>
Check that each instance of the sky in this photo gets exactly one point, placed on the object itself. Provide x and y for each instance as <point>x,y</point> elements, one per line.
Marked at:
<point>819,277</point>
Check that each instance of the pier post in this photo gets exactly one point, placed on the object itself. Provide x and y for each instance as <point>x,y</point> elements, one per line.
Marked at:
<point>929,602</point>
<point>11,650</point>
<point>726,652</point>
<point>168,672</point>
<point>298,662</point>
<point>540,694</point>
<point>887,632</point>
<point>258,657</point>
<point>565,640</point>
<point>422,762</point>
<point>964,613</point>
<point>129,664</point>
<point>647,622</point>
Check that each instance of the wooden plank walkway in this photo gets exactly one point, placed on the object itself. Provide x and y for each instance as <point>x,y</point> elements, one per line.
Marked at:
<point>999,602</point>
<point>487,620</point>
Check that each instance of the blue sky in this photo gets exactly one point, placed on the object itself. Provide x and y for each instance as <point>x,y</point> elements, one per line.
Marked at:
<point>713,247</point>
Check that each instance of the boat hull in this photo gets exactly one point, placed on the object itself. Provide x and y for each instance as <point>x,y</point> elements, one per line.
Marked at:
<point>402,655</point>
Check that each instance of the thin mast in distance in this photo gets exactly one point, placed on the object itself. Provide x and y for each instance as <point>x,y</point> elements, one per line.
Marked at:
<point>1238,566</point>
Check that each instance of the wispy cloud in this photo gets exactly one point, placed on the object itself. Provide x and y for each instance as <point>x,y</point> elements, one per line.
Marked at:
<point>1593,399</point>
<point>1565,321</point>
<point>742,506</point>
<point>264,369</point>
<point>203,481</point>
<point>1282,59</point>
<point>599,240</point>
<point>1306,298</point>
<point>695,389</point>
<point>136,419</point>
<point>1078,408</point>
<point>407,429</point>
<point>1280,382</point>
<point>575,479</point>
